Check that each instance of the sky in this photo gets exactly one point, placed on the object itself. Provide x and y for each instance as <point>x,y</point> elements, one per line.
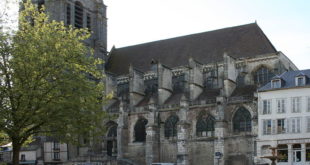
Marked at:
<point>285,22</point>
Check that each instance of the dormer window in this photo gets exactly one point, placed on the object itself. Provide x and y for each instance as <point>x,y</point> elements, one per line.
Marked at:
<point>276,83</point>
<point>300,81</point>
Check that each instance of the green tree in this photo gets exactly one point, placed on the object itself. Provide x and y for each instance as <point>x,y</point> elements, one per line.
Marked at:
<point>4,139</point>
<point>50,84</point>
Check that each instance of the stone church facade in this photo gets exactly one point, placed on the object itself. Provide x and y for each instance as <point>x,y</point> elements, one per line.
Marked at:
<point>188,100</point>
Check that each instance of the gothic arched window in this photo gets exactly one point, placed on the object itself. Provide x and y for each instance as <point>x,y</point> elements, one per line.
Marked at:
<point>78,15</point>
<point>242,120</point>
<point>112,131</point>
<point>205,126</point>
<point>240,80</point>
<point>178,83</point>
<point>262,76</point>
<point>111,140</point>
<point>171,126</point>
<point>151,86</point>
<point>68,13</point>
<point>140,132</point>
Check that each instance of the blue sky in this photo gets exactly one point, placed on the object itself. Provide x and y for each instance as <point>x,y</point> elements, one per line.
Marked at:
<point>285,22</point>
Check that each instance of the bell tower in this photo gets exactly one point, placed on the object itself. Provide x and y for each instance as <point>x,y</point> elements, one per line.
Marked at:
<point>89,14</point>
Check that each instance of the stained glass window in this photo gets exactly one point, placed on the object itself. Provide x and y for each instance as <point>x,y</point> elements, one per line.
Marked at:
<point>262,76</point>
<point>205,126</point>
<point>171,126</point>
<point>242,120</point>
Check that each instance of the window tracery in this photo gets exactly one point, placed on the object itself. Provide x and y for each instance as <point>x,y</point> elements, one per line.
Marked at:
<point>171,126</point>
<point>262,76</point>
<point>205,126</point>
<point>242,121</point>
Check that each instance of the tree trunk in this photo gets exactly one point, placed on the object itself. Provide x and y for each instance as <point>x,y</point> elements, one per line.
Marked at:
<point>16,150</point>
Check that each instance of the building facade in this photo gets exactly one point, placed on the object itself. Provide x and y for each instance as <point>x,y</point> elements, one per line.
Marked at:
<point>191,99</point>
<point>284,118</point>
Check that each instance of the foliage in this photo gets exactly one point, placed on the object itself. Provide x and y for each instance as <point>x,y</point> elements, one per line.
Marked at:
<point>4,139</point>
<point>49,80</point>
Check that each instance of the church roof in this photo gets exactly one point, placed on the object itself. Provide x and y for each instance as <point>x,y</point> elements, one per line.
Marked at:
<point>207,47</point>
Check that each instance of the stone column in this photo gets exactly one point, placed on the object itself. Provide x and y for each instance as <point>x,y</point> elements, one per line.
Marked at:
<point>290,154</point>
<point>122,131</point>
<point>182,136</point>
<point>151,148</point>
<point>220,129</point>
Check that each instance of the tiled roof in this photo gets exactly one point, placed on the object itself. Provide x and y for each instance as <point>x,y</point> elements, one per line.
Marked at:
<point>207,47</point>
<point>288,79</point>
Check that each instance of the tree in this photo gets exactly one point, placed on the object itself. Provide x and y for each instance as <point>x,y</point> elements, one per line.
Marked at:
<point>4,139</point>
<point>49,82</point>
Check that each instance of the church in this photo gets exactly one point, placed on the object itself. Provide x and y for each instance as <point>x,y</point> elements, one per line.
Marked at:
<point>188,100</point>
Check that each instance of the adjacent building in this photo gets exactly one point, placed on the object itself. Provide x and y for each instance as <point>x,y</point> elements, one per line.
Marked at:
<point>42,151</point>
<point>284,118</point>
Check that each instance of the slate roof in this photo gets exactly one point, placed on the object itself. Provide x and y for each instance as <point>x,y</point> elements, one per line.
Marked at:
<point>289,80</point>
<point>207,47</point>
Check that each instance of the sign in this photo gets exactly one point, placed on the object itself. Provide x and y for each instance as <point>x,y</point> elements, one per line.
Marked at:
<point>218,155</point>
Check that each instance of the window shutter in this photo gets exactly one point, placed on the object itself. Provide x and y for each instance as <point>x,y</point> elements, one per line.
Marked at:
<point>264,127</point>
<point>260,107</point>
<point>298,125</point>
<point>293,104</point>
<point>288,126</point>
<point>284,106</point>
<point>269,106</point>
<point>273,126</point>
<point>285,126</point>
<point>278,106</point>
